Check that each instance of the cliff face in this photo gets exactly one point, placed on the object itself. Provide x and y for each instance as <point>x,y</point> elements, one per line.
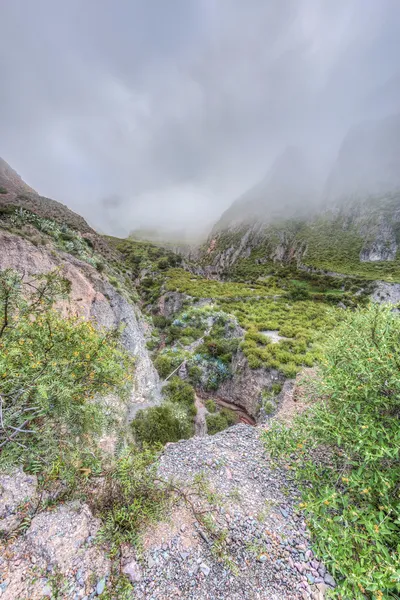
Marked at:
<point>91,297</point>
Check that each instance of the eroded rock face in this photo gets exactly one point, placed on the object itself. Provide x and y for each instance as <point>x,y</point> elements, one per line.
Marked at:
<point>15,489</point>
<point>386,292</point>
<point>245,386</point>
<point>171,303</point>
<point>381,244</point>
<point>59,541</point>
<point>92,297</point>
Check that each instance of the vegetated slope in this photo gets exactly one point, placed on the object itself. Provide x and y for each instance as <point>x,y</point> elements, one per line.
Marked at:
<point>354,229</point>
<point>14,192</point>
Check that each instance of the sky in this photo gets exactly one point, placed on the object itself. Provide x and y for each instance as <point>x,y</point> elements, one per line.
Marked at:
<point>156,114</point>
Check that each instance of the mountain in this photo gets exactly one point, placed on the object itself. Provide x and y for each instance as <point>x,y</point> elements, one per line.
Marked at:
<point>289,186</point>
<point>351,227</point>
<point>368,163</point>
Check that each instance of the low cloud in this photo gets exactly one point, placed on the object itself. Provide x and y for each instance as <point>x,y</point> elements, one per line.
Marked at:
<point>154,114</point>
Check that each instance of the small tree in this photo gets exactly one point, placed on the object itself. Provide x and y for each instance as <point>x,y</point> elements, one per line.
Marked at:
<point>52,369</point>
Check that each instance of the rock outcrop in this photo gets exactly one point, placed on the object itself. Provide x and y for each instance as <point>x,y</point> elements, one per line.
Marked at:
<point>92,297</point>
<point>245,386</point>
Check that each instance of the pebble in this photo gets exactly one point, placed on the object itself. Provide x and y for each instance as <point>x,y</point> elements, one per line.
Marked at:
<point>100,587</point>
<point>329,580</point>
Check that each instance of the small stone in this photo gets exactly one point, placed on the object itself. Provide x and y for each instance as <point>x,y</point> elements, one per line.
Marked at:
<point>262,558</point>
<point>284,513</point>
<point>310,578</point>
<point>183,528</point>
<point>101,586</point>
<point>205,569</point>
<point>47,591</point>
<point>329,580</point>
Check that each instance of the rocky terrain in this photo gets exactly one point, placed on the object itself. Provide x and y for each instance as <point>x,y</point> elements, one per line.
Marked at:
<point>259,547</point>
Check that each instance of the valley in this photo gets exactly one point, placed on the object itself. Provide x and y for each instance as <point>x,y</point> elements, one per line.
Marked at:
<point>183,414</point>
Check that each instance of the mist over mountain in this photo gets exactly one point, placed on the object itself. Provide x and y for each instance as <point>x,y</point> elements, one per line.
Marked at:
<point>368,162</point>
<point>367,165</point>
<point>290,188</point>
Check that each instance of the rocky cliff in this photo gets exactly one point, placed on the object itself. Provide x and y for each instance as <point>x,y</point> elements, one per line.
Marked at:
<point>92,297</point>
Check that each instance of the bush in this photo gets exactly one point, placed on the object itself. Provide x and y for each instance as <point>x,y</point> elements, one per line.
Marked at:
<point>52,367</point>
<point>162,424</point>
<point>129,498</point>
<point>160,321</point>
<point>3,190</point>
<point>219,421</point>
<point>180,392</point>
<point>346,453</point>
<point>211,406</point>
<point>167,361</point>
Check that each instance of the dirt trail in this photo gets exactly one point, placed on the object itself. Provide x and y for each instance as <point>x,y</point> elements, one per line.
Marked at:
<point>200,423</point>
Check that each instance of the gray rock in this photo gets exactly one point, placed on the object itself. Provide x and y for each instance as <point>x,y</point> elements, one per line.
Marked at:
<point>47,591</point>
<point>101,586</point>
<point>329,580</point>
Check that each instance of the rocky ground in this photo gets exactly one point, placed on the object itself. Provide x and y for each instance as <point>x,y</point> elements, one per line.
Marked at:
<point>258,547</point>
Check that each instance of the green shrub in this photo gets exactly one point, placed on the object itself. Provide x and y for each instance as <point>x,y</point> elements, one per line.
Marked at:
<point>167,361</point>
<point>162,424</point>
<point>269,407</point>
<point>211,405</point>
<point>221,420</point>
<point>129,498</point>
<point>160,321</point>
<point>3,190</point>
<point>276,388</point>
<point>345,453</point>
<point>52,369</point>
<point>180,392</point>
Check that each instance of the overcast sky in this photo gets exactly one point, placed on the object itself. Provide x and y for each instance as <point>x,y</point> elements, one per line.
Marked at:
<point>148,113</point>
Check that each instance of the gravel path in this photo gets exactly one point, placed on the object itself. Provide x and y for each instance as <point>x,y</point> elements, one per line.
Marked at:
<point>268,554</point>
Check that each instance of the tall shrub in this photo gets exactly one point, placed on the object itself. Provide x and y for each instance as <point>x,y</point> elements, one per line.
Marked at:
<point>52,369</point>
<point>345,454</point>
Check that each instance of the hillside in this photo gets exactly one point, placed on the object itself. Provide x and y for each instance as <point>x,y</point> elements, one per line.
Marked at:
<point>161,416</point>
<point>352,229</point>
<point>14,192</point>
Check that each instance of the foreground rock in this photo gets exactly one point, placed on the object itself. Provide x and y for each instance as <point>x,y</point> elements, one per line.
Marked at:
<point>56,558</point>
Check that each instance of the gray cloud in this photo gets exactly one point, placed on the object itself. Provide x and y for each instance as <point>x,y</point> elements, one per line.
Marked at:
<point>161,113</point>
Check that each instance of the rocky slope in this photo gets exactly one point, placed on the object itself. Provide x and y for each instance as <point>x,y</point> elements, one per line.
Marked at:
<point>92,297</point>
<point>258,548</point>
<point>14,192</point>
